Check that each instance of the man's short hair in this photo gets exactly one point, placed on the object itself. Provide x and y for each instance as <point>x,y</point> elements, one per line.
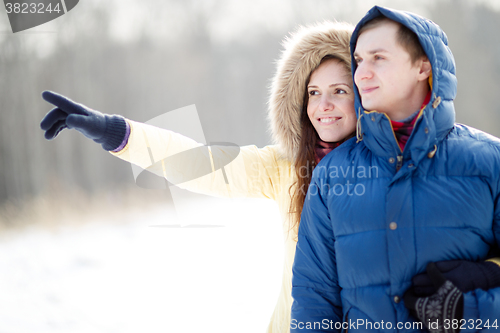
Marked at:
<point>405,37</point>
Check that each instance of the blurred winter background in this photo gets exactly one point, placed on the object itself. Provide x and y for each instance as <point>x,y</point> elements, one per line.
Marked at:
<point>82,247</point>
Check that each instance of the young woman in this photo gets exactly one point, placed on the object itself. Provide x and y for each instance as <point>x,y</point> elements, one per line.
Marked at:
<point>311,112</point>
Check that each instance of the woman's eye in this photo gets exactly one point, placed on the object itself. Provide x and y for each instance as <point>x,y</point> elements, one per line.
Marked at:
<point>378,58</point>
<point>313,92</point>
<point>358,60</point>
<point>341,91</point>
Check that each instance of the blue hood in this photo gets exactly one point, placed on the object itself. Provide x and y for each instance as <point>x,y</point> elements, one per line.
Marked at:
<point>438,116</point>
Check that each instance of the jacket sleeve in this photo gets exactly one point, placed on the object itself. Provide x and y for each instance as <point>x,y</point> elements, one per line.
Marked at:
<point>223,171</point>
<point>316,293</point>
<point>482,307</point>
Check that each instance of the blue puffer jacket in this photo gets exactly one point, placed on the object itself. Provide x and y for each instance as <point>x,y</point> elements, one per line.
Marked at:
<point>367,228</point>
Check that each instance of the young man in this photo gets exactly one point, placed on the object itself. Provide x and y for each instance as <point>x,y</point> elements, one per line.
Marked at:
<point>414,193</point>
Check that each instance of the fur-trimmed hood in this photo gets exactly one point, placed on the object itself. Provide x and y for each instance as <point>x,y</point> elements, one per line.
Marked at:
<point>303,51</point>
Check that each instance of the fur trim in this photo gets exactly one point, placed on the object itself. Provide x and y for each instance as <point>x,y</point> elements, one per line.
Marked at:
<point>302,54</point>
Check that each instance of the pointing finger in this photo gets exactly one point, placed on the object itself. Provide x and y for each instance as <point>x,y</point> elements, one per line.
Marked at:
<point>63,102</point>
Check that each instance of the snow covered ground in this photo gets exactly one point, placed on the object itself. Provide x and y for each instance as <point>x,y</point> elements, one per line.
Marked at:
<point>146,274</point>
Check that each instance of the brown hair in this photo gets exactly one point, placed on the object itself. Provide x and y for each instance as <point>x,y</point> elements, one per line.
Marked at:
<point>405,37</point>
<point>289,125</point>
<point>305,161</point>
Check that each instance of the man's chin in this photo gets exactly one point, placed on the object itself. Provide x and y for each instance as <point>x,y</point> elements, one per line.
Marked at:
<point>369,106</point>
<point>366,103</point>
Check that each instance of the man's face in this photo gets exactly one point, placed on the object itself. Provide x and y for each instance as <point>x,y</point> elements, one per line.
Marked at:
<point>385,76</point>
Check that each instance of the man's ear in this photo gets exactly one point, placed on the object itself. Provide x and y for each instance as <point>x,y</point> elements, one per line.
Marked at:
<point>425,69</point>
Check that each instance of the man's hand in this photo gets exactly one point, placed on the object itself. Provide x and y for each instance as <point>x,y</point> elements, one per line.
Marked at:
<point>108,130</point>
<point>438,311</point>
<point>465,275</point>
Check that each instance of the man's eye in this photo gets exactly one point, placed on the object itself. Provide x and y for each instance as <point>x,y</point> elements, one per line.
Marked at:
<point>378,58</point>
<point>358,61</point>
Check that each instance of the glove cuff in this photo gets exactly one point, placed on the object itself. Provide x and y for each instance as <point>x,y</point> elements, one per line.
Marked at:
<point>116,129</point>
<point>446,304</point>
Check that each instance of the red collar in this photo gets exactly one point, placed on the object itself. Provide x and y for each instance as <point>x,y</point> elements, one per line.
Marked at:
<point>323,148</point>
<point>403,130</point>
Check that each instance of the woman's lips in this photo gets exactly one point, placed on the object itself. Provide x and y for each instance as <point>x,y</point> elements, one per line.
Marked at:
<point>368,90</point>
<point>328,120</point>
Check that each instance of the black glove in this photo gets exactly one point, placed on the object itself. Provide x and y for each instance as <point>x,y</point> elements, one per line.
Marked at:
<point>108,130</point>
<point>466,275</point>
<point>441,310</point>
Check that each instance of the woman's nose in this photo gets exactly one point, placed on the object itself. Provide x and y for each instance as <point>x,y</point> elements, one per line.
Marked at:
<point>326,103</point>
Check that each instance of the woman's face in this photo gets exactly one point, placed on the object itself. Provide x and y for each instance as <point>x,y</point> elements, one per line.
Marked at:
<point>331,101</point>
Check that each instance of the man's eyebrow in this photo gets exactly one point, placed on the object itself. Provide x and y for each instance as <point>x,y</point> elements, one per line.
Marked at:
<point>379,50</point>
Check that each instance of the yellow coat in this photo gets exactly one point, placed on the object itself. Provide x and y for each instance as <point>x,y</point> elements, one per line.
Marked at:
<point>256,173</point>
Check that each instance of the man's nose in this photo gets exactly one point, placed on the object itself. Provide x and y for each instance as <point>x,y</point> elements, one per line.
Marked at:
<point>363,71</point>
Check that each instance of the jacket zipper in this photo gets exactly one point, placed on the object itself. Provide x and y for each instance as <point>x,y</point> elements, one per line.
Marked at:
<point>399,164</point>
<point>399,157</point>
